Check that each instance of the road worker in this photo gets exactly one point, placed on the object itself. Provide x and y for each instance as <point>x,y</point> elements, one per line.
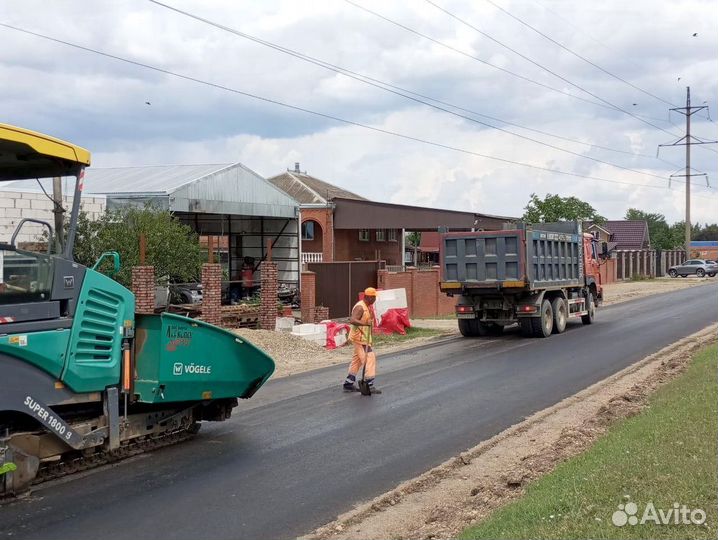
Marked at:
<point>362,323</point>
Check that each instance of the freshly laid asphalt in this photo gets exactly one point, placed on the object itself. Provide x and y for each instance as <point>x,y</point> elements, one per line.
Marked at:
<point>302,451</point>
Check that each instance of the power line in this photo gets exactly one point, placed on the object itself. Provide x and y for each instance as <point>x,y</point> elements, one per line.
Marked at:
<point>386,87</point>
<point>577,55</point>
<point>476,58</point>
<point>469,25</point>
<point>548,70</point>
<point>323,115</point>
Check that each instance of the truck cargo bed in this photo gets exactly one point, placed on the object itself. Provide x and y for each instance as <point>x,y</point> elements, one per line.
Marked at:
<point>549,255</point>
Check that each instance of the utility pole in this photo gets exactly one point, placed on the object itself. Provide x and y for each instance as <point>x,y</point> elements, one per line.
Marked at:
<point>59,212</point>
<point>688,140</point>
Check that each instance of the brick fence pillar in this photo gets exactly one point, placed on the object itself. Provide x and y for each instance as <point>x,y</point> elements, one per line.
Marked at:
<point>382,277</point>
<point>321,313</point>
<point>143,287</point>
<point>268,296</point>
<point>212,293</point>
<point>309,296</point>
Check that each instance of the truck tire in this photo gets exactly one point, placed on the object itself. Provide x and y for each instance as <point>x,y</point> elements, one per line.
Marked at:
<point>588,318</point>
<point>560,315</point>
<point>467,327</point>
<point>543,325</point>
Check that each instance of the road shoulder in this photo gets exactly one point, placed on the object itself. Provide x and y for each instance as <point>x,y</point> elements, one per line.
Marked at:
<point>445,500</point>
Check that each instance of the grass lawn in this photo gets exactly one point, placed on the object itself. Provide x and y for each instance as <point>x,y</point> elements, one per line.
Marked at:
<point>665,455</point>
<point>411,333</point>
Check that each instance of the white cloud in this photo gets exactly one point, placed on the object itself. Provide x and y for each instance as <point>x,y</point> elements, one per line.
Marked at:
<point>100,103</point>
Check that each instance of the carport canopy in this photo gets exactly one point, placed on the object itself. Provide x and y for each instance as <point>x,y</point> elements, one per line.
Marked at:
<point>361,214</point>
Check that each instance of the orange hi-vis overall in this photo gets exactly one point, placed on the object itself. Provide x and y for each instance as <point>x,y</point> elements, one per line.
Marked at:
<point>361,337</point>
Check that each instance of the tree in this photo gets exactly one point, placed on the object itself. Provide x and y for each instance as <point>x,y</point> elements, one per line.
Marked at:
<point>709,232</point>
<point>414,239</point>
<point>172,247</point>
<point>557,208</point>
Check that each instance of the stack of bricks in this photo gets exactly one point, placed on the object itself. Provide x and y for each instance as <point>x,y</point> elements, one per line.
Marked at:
<point>268,296</point>
<point>321,313</point>
<point>143,287</point>
<point>212,293</point>
<point>308,297</point>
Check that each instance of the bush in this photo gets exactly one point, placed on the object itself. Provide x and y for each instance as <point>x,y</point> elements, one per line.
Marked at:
<point>172,247</point>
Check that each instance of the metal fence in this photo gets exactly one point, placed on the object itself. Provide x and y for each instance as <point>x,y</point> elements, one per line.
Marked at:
<point>646,262</point>
<point>339,283</point>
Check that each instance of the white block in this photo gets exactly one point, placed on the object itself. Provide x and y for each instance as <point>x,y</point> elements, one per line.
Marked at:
<point>389,299</point>
<point>303,329</point>
<point>284,324</point>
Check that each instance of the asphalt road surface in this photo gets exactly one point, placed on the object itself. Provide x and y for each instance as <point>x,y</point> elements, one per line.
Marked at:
<point>302,451</point>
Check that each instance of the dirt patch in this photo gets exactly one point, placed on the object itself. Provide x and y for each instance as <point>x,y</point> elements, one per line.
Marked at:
<point>467,488</point>
<point>291,353</point>
<point>621,291</point>
<point>294,355</point>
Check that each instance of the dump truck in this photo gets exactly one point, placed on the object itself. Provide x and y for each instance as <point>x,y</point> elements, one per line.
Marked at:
<point>84,380</point>
<point>537,276</point>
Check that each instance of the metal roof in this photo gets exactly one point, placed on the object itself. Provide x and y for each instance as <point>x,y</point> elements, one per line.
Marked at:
<point>226,188</point>
<point>306,189</point>
<point>363,214</point>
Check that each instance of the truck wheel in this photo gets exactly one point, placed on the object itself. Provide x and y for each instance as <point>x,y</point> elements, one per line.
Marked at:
<point>588,318</point>
<point>700,272</point>
<point>543,325</point>
<point>467,327</point>
<point>672,273</point>
<point>560,315</point>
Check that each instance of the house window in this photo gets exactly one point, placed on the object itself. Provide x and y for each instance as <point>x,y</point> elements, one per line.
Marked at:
<point>391,235</point>
<point>363,235</point>
<point>308,230</point>
<point>380,235</point>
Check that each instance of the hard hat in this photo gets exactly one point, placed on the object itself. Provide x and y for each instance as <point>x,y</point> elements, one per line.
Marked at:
<point>370,291</point>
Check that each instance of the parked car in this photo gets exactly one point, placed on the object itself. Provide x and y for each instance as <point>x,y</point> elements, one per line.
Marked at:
<point>185,293</point>
<point>699,267</point>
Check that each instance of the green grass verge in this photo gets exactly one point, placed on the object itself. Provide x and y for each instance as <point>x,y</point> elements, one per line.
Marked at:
<point>665,455</point>
<point>411,333</point>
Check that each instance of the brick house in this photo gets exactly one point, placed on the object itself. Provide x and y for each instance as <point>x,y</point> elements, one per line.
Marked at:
<point>621,234</point>
<point>334,221</point>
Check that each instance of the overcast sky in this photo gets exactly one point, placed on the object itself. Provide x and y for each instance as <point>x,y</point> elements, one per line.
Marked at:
<point>100,103</point>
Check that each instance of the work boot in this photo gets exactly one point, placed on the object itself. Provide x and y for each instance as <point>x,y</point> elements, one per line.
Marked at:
<point>348,385</point>
<point>374,389</point>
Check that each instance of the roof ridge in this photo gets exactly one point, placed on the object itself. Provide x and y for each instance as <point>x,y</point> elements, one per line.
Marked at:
<point>291,173</point>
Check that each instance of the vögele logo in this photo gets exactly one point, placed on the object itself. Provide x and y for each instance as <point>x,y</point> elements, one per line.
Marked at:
<point>678,514</point>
